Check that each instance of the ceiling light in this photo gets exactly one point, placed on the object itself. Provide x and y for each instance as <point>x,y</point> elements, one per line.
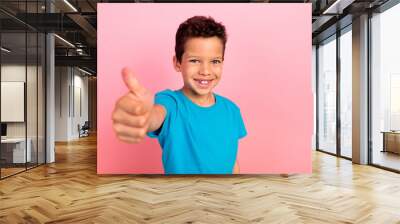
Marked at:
<point>5,50</point>
<point>337,7</point>
<point>64,40</point>
<point>86,72</point>
<point>70,5</point>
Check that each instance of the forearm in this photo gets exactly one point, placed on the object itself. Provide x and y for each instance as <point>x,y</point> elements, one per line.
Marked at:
<point>156,118</point>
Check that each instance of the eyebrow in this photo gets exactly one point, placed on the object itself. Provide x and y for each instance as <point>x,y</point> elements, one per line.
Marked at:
<point>194,56</point>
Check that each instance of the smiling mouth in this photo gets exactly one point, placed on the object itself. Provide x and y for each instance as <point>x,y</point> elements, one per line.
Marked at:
<point>203,82</point>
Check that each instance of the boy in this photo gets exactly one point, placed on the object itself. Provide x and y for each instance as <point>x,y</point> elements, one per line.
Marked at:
<point>197,129</point>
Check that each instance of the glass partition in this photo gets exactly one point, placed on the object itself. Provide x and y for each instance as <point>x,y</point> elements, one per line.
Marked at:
<point>13,99</point>
<point>22,77</point>
<point>327,95</point>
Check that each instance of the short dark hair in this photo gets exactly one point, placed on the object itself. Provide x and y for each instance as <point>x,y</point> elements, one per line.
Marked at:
<point>198,26</point>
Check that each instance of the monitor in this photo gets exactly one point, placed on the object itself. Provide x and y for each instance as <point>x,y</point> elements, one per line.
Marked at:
<point>3,129</point>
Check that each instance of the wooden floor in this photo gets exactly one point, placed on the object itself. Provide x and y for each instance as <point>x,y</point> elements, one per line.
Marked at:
<point>70,191</point>
<point>8,171</point>
<point>387,159</point>
<point>5,172</point>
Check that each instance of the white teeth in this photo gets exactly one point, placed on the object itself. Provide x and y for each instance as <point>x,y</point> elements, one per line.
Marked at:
<point>203,82</point>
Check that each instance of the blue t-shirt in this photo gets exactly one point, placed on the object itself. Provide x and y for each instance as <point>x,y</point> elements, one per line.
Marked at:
<point>196,139</point>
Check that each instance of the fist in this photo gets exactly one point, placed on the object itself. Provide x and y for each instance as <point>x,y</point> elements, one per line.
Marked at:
<point>132,111</point>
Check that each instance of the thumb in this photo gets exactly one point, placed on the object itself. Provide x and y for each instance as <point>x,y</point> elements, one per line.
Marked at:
<point>131,82</point>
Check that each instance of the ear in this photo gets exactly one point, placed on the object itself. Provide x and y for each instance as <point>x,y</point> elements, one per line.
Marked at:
<point>177,64</point>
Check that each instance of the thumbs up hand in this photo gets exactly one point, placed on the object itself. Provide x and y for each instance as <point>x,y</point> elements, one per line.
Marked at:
<point>131,115</point>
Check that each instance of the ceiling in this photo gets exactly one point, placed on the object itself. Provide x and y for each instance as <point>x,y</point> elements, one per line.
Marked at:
<point>76,22</point>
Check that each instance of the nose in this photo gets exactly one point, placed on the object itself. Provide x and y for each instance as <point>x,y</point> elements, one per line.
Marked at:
<point>205,69</point>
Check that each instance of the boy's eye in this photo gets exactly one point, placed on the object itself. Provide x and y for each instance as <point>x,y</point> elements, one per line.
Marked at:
<point>216,61</point>
<point>194,61</point>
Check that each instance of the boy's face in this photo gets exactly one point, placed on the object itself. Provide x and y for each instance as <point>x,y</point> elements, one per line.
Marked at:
<point>201,64</point>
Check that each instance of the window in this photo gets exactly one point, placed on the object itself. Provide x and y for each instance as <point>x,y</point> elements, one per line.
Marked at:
<point>346,74</point>
<point>385,88</point>
<point>327,95</point>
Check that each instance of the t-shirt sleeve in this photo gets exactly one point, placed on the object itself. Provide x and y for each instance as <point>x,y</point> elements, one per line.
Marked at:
<point>242,132</point>
<point>169,102</point>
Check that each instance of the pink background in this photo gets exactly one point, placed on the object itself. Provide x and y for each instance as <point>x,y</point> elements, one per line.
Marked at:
<point>267,72</point>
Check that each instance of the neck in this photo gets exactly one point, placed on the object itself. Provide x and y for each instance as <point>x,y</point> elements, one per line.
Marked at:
<point>201,100</point>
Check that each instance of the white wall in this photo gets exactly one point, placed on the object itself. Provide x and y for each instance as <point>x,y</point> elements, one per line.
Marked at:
<point>71,94</point>
<point>62,81</point>
<point>81,102</point>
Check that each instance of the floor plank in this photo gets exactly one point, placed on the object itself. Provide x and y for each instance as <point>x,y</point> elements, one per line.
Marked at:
<point>70,191</point>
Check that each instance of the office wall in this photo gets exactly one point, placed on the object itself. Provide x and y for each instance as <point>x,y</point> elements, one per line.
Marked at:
<point>15,72</point>
<point>71,102</point>
<point>80,102</point>
<point>62,80</point>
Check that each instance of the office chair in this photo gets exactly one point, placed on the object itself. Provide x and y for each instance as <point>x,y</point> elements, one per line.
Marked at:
<point>84,130</point>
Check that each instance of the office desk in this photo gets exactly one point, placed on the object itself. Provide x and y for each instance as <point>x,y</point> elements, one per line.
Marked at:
<point>15,148</point>
<point>391,141</point>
